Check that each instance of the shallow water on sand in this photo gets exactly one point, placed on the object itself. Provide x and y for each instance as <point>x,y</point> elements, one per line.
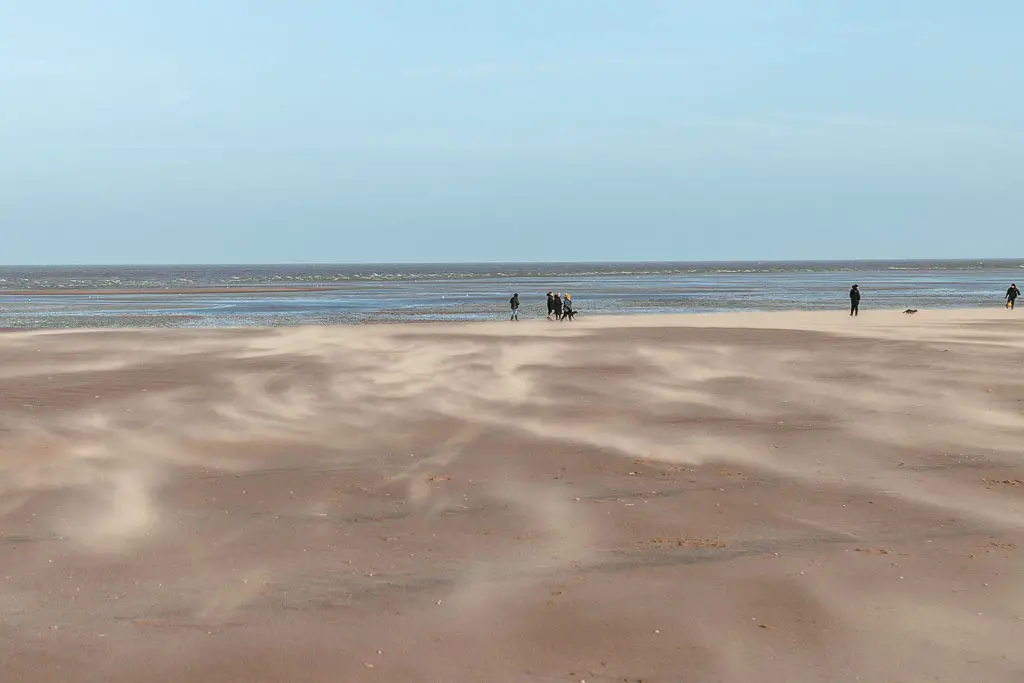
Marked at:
<point>332,294</point>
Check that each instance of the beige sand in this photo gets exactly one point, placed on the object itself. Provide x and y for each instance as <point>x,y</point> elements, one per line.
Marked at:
<point>769,497</point>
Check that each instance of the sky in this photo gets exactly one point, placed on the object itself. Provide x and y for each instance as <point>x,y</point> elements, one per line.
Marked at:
<point>342,131</point>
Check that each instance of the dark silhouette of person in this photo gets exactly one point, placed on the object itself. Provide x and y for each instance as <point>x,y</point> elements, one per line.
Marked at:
<point>558,305</point>
<point>514,303</point>
<point>551,304</point>
<point>1011,295</point>
<point>855,300</point>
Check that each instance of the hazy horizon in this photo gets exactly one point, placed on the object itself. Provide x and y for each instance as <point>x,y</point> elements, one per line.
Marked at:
<point>314,264</point>
<point>524,263</point>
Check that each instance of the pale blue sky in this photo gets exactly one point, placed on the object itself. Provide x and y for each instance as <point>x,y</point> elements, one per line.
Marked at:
<point>226,131</point>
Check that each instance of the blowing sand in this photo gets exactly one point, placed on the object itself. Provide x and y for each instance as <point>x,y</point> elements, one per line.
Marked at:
<point>746,497</point>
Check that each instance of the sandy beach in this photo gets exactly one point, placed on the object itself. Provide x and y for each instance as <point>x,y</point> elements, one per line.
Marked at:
<point>741,497</point>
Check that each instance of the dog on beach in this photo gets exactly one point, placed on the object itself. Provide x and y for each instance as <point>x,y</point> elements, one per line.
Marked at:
<point>568,313</point>
<point>910,311</point>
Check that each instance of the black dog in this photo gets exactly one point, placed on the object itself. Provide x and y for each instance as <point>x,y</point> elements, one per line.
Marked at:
<point>568,313</point>
<point>910,311</point>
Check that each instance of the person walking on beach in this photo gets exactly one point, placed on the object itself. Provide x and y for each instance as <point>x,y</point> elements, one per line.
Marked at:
<point>1011,295</point>
<point>514,303</point>
<point>855,300</point>
<point>551,304</point>
<point>558,305</point>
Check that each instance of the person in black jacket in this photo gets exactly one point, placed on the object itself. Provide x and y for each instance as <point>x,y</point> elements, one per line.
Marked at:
<point>1011,295</point>
<point>558,306</point>
<point>551,304</point>
<point>855,300</point>
<point>514,303</point>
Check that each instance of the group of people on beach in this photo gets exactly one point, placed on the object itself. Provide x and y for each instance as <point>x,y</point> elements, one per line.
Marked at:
<point>1011,298</point>
<point>559,306</point>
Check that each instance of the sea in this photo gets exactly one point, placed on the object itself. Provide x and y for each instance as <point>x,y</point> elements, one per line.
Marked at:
<point>34,297</point>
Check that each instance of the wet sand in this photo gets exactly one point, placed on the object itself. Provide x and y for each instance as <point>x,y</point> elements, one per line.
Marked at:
<point>743,497</point>
<point>154,291</point>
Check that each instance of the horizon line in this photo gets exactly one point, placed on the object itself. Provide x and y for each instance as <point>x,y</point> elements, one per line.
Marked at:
<point>213,264</point>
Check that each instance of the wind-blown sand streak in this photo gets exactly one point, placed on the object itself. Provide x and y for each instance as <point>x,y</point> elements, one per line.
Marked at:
<point>772,497</point>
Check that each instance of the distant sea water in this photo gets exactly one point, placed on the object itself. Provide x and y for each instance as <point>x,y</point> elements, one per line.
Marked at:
<point>432,292</point>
